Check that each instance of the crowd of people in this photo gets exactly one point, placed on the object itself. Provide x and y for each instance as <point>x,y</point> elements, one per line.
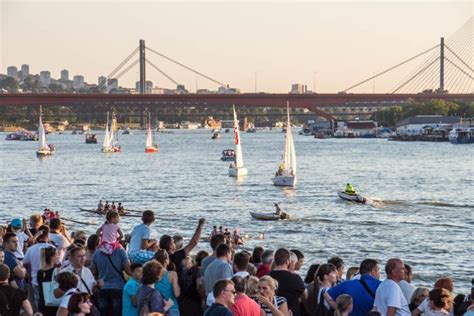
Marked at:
<point>46,269</point>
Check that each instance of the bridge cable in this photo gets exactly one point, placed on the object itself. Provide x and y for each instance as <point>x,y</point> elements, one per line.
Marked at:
<point>424,82</point>
<point>118,67</point>
<point>162,72</point>
<point>127,68</point>
<point>188,68</point>
<point>459,68</point>
<point>463,49</point>
<point>391,68</point>
<point>420,75</point>
<point>416,70</point>
<point>415,75</point>
<point>455,55</point>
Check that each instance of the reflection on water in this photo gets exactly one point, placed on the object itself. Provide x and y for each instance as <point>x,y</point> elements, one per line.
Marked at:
<point>421,201</point>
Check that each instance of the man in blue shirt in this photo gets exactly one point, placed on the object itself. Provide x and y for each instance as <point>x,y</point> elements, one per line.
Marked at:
<point>361,290</point>
<point>110,268</point>
<point>10,241</point>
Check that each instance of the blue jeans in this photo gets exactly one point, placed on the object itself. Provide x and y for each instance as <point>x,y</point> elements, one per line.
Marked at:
<point>109,302</point>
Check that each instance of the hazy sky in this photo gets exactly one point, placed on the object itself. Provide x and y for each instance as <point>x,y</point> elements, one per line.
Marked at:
<point>283,42</point>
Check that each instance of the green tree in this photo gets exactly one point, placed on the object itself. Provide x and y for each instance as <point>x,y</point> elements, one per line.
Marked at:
<point>10,84</point>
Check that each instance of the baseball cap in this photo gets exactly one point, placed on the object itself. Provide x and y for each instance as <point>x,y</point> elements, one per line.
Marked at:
<point>17,223</point>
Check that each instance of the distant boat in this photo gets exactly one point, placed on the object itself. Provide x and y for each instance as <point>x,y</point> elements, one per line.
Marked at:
<point>109,146</point>
<point>237,168</point>
<point>356,198</point>
<point>461,135</point>
<point>286,174</point>
<point>150,147</point>
<point>43,148</point>
<point>216,135</point>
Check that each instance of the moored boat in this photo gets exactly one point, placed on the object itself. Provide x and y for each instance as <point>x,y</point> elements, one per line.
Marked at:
<point>91,138</point>
<point>228,155</point>
<point>356,198</point>
<point>216,135</point>
<point>461,135</point>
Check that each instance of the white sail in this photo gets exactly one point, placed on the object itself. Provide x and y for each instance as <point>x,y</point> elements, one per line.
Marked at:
<point>106,143</point>
<point>239,161</point>
<point>149,136</point>
<point>41,134</point>
<point>290,154</point>
<point>111,132</point>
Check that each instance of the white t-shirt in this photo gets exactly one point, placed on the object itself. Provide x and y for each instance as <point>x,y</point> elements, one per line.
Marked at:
<point>33,259</point>
<point>22,237</point>
<point>67,296</point>
<point>85,275</point>
<point>61,244</point>
<point>407,289</point>
<point>389,294</point>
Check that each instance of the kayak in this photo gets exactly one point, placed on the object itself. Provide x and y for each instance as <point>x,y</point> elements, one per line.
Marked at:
<point>355,198</point>
<point>269,216</point>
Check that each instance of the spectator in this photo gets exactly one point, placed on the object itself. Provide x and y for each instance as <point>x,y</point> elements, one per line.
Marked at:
<point>224,293</point>
<point>219,269</point>
<point>15,299</point>
<point>270,303</point>
<point>389,299</point>
<point>168,284</point>
<point>324,279</point>
<point>10,242</point>
<point>91,245</point>
<point>425,306</point>
<point>215,241</point>
<point>419,295</point>
<point>290,285</point>
<point>192,288</point>
<point>405,283</point>
<point>141,247</point>
<point>265,267</point>
<point>256,258</point>
<point>149,299</point>
<point>110,268</point>
<point>177,256</point>
<point>77,259</point>
<point>79,304</point>
<point>59,237</point>
<point>241,262</point>
<point>129,296</point>
<point>46,273</point>
<point>343,305</point>
<point>67,284</point>
<point>309,278</point>
<point>300,257</point>
<point>362,291</point>
<point>243,305</point>
<point>339,264</point>
<point>32,260</point>
<point>352,272</point>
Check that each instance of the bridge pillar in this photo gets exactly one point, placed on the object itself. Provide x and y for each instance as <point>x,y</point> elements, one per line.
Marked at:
<point>142,67</point>
<point>441,66</point>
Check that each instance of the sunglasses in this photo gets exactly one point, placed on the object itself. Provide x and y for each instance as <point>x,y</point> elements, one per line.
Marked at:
<point>231,291</point>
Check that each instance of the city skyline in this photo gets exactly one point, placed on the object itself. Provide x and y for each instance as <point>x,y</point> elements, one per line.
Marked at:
<point>334,44</point>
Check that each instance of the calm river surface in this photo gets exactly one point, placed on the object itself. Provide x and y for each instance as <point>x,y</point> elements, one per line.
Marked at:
<point>422,210</point>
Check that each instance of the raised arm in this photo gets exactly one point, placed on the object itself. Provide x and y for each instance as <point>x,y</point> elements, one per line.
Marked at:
<point>195,239</point>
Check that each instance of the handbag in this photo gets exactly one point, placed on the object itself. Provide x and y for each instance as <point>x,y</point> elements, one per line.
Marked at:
<point>48,291</point>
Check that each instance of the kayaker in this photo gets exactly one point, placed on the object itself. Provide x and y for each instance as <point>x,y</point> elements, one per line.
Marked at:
<point>350,189</point>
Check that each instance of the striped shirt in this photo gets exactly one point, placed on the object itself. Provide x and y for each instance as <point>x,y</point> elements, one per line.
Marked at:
<point>277,302</point>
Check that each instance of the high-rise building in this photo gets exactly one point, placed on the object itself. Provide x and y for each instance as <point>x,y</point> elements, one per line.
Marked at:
<point>45,78</point>
<point>12,71</point>
<point>78,82</point>
<point>101,81</point>
<point>298,88</point>
<point>64,75</point>
<point>112,83</point>
<point>25,70</point>
<point>148,86</point>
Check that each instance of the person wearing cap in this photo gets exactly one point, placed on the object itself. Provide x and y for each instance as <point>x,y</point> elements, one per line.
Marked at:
<point>17,226</point>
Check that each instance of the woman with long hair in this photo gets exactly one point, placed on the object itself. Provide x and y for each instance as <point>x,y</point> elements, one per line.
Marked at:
<point>324,278</point>
<point>418,296</point>
<point>441,302</point>
<point>168,285</point>
<point>47,273</point>
<point>270,303</point>
<point>79,304</point>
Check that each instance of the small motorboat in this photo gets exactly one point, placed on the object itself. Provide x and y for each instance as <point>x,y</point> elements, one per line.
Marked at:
<point>91,138</point>
<point>216,136</point>
<point>355,198</point>
<point>269,216</point>
<point>126,131</point>
<point>228,155</point>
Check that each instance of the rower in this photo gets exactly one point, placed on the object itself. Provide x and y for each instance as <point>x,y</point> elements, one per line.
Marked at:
<point>278,210</point>
<point>350,189</point>
<point>100,206</point>
<point>120,208</point>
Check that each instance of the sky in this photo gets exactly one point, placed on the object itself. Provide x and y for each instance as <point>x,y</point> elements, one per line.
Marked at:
<point>267,45</point>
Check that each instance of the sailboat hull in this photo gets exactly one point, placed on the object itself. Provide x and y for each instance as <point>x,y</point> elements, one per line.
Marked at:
<point>238,172</point>
<point>44,153</point>
<point>151,149</point>
<point>284,181</point>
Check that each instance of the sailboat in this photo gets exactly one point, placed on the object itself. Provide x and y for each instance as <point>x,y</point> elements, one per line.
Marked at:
<point>237,169</point>
<point>286,174</point>
<point>113,129</point>
<point>150,147</point>
<point>43,148</point>
<point>108,145</point>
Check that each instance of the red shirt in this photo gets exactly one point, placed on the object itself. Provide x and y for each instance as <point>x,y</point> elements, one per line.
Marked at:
<point>245,306</point>
<point>262,270</point>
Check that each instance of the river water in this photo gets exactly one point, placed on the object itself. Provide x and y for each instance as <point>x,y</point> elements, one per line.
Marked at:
<point>422,193</point>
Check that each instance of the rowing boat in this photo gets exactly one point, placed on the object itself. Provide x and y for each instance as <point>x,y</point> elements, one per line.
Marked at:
<point>269,216</point>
